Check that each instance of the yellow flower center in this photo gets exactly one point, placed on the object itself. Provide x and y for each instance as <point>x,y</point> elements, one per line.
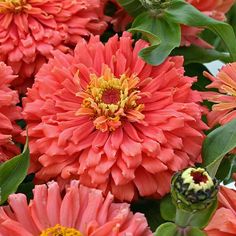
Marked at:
<point>15,6</point>
<point>59,230</point>
<point>197,178</point>
<point>109,100</point>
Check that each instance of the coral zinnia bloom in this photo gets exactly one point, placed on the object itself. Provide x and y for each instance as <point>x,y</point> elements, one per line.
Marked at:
<point>108,118</point>
<point>31,29</point>
<point>80,212</point>
<point>223,111</point>
<point>223,222</point>
<point>9,113</point>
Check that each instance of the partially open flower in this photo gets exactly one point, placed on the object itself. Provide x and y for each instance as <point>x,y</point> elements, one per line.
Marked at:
<point>193,189</point>
<point>80,212</point>
<point>223,110</point>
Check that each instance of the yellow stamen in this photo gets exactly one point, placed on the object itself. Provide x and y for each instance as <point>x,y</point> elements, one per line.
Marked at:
<point>189,179</point>
<point>15,6</point>
<point>109,99</point>
<point>59,230</point>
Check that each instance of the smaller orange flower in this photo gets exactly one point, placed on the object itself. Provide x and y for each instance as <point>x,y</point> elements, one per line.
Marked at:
<point>223,222</point>
<point>223,111</point>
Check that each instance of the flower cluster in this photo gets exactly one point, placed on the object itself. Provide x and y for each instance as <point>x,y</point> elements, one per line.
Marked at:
<point>112,119</point>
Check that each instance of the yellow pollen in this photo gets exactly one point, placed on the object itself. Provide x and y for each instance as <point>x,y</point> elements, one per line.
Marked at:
<point>59,230</point>
<point>15,6</point>
<point>108,100</point>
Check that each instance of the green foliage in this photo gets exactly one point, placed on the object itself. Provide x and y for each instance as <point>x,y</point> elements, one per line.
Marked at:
<point>217,144</point>
<point>12,173</point>
<point>157,30</point>
<point>162,28</point>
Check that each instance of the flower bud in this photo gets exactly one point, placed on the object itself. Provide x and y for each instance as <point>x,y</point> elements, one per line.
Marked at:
<point>193,189</point>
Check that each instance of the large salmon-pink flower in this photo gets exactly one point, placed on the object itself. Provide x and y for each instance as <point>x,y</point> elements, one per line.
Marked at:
<point>9,113</point>
<point>223,111</point>
<point>31,29</point>
<point>80,212</point>
<point>113,121</point>
<point>223,222</point>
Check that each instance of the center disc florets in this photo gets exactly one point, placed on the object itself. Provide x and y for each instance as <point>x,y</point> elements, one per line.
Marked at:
<point>109,100</point>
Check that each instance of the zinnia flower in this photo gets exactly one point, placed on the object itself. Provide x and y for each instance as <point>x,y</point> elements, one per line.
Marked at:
<point>31,29</point>
<point>223,110</point>
<point>9,113</point>
<point>223,222</point>
<point>113,121</point>
<point>80,212</point>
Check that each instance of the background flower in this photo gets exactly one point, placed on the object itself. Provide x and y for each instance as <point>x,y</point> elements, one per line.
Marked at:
<point>223,222</point>
<point>82,211</point>
<point>224,100</point>
<point>31,29</point>
<point>116,123</point>
<point>9,113</point>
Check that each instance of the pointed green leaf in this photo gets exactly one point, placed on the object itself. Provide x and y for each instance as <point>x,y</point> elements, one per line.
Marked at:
<point>217,144</point>
<point>182,12</point>
<point>163,35</point>
<point>12,173</point>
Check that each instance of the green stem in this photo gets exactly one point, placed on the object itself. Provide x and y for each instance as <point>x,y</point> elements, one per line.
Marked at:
<point>183,217</point>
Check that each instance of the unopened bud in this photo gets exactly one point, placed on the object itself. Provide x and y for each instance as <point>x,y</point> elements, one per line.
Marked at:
<point>193,189</point>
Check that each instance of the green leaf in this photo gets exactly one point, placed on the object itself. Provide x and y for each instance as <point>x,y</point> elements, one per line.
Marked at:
<point>202,218</point>
<point>163,35</point>
<point>232,17</point>
<point>168,209</point>
<point>12,173</point>
<point>226,169</point>
<point>217,144</point>
<point>133,7</point>
<point>193,231</point>
<point>167,229</point>
<point>181,12</point>
<point>194,54</point>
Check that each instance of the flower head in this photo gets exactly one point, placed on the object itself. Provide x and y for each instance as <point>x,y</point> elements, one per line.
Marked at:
<point>31,29</point>
<point>9,113</point>
<point>223,222</point>
<point>81,211</point>
<point>223,110</point>
<point>116,123</point>
<point>193,189</point>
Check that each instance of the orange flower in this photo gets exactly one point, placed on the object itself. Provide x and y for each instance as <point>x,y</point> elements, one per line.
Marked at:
<point>223,110</point>
<point>108,118</point>
<point>223,222</point>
